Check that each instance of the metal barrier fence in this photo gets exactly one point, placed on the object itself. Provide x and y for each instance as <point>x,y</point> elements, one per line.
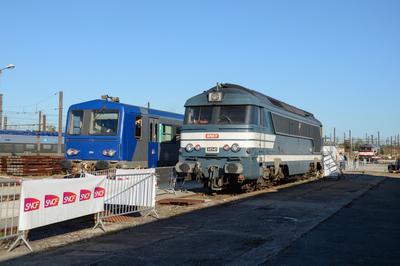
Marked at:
<point>367,167</point>
<point>10,191</point>
<point>127,194</point>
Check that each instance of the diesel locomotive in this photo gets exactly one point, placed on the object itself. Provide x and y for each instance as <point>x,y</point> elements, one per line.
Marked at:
<point>236,137</point>
<point>104,133</point>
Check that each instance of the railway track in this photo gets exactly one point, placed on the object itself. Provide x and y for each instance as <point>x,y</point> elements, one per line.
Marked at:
<point>203,196</point>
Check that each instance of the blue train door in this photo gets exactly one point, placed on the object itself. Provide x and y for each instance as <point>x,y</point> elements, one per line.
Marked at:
<point>152,156</point>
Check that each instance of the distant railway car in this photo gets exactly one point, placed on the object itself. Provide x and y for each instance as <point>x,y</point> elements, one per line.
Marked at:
<point>236,137</point>
<point>369,152</point>
<point>20,142</point>
<point>103,134</point>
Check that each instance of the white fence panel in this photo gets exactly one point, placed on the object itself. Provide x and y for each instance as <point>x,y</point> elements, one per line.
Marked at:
<point>49,201</point>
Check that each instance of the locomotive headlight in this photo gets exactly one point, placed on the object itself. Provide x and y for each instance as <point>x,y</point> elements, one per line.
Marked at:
<point>72,152</point>
<point>215,96</point>
<point>226,147</point>
<point>189,147</point>
<point>109,152</point>
<point>235,147</point>
<point>197,147</point>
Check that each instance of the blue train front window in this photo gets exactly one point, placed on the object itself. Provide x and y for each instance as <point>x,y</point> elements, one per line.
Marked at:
<point>76,122</point>
<point>104,122</point>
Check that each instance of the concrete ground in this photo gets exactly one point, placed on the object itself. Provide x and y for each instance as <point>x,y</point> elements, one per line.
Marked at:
<point>349,221</point>
<point>366,232</point>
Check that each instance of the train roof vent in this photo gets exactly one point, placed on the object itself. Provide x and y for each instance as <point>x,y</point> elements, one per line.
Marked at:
<point>289,108</point>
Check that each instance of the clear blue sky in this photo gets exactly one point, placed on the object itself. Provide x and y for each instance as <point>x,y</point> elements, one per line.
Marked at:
<point>338,59</point>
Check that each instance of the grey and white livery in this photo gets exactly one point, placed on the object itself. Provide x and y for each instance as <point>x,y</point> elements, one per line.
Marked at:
<point>236,137</point>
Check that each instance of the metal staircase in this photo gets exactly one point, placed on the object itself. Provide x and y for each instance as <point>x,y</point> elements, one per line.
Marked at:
<point>331,167</point>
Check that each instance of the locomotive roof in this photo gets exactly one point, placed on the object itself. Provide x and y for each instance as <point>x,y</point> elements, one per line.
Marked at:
<point>235,95</point>
<point>99,103</point>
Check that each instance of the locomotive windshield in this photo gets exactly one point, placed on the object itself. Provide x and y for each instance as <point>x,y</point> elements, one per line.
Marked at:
<point>222,115</point>
<point>104,122</point>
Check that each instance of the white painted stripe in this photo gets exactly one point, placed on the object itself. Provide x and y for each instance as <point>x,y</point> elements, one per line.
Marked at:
<point>288,158</point>
<point>227,135</point>
<point>221,143</point>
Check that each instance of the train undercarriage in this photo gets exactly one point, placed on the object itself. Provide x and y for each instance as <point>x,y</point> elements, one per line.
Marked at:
<point>269,176</point>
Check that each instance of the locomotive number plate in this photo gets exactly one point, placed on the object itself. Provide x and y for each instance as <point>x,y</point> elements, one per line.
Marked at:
<point>212,150</point>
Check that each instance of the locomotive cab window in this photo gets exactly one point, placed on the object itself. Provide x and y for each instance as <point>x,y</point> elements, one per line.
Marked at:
<point>138,128</point>
<point>200,115</point>
<point>237,115</point>
<point>76,123</point>
<point>104,122</point>
<point>264,118</point>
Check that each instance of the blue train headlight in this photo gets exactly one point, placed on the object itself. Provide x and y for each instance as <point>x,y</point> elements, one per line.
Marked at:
<point>109,152</point>
<point>189,147</point>
<point>72,152</point>
<point>235,147</point>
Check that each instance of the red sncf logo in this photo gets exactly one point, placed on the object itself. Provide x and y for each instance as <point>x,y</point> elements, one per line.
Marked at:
<point>99,192</point>
<point>212,136</point>
<point>85,195</point>
<point>31,204</point>
<point>69,197</point>
<point>51,201</point>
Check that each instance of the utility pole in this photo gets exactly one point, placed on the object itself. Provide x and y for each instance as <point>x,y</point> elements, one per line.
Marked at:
<point>5,122</point>
<point>379,137</point>
<point>351,144</point>
<point>60,114</point>
<point>391,145</point>
<point>1,111</point>
<point>40,121</point>
<point>334,136</point>
<point>38,131</point>
<point>44,123</point>
<point>10,66</point>
<point>398,142</point>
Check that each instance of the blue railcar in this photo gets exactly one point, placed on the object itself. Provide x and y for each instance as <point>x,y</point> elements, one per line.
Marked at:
<point>102,134</point>
<point>25,142</point>
<point>234,136</point>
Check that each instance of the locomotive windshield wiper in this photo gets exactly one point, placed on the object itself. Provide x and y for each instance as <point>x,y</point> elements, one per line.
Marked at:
<point>225,117</point>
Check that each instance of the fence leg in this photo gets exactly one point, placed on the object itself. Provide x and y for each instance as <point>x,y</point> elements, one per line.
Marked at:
<point>21,237</point>
<point>99,224</point>
<point>153,213</point>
